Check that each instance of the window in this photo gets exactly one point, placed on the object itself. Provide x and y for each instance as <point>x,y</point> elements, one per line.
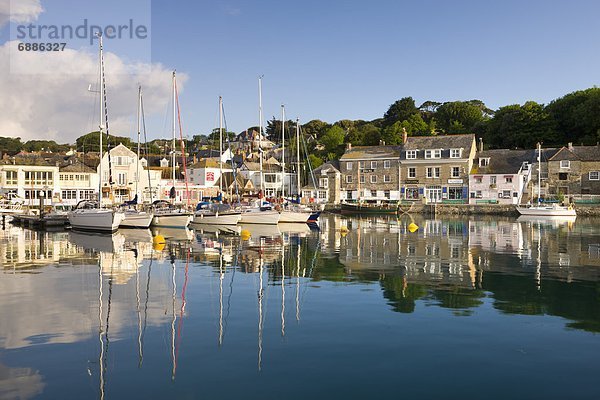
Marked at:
<point>387,178</point>
<point>373,193</point>
<point>594,176</point>
<point>455,153</point>
<point>348,178</point>
<point>455,193</point>
<point>373,178</point>
<point>11,177</point>
<point>322,194</point>
<point>563,176</point>
<point>508,179</point>
<point>386,164</point>
<point>386,194</point>
<point>437,153</point>
<point>69,195</point>
<point>349,166</point>
<point>411,154</point>
<point>362,179</point>
<point>324,183</point>
<point>122,178</point>
<point>348,194</point>
<point>86,194</point>
<point>373,164</point>
<point>478,179</point>
<point>506,194</point>
<point>492,180</point>
<point>412,193</point>
<point>433,172</point>
<point>565,164</point>
<point>361,164</point>
<point>484,162</point>
<point>412,172</point>
<point>455,172</point>
<point>478,194</point>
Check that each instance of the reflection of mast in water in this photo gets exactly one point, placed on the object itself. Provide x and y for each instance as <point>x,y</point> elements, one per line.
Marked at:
<point>538,266</point>
<point>146,309</point>
<point>283,288</point>
<point>182,310</point>
<point>260,299</point>
<point>139,311</point>
<point>174,317</point>
<point>298,281</point>
<point>100,328</point>
<point>221,275</point>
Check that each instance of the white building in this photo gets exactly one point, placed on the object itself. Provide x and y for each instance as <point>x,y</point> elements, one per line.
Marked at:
<point>500,176</point>
<point>31,182</point>
<point>77,182</point>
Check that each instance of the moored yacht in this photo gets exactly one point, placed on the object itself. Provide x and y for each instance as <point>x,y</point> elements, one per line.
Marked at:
<point>87,216</point>
<point>258,213</point>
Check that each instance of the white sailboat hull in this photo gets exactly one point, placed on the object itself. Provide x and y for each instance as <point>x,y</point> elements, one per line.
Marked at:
<point>217,218</point>
<point>548,211</point>
<point>137,220</point>
<point>255,216</point>
<point>97,220</point>
<point>290,216</point>
<point>174,220</point>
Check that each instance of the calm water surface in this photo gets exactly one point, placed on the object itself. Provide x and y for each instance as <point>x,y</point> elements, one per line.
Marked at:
<point>461,308</point>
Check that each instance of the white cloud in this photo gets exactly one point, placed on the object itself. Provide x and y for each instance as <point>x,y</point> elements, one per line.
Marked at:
<point>21,11</point>
<point>57,106</point>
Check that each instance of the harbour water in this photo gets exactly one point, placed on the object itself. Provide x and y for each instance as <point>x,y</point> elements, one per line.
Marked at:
<point>361,308</point>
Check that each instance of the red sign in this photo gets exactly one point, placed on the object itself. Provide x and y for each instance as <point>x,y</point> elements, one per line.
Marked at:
<point>210,176</point>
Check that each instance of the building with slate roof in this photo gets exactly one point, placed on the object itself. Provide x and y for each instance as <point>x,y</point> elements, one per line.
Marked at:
<point>436,169</point>
<point>573,171</point>
<point>501,176</point>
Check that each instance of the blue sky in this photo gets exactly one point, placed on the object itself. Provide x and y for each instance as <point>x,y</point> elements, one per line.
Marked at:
<point>334,60</point>
<point>342,59</point>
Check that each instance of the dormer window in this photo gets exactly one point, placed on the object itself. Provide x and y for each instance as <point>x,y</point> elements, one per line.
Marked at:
<point>484,162</point>
<point>411,154</point>
<point>565,164</point>
<point>455,153</point>
<point>436,153</point>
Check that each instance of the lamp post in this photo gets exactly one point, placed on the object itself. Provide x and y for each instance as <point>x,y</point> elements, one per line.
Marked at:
<point>42,195</point>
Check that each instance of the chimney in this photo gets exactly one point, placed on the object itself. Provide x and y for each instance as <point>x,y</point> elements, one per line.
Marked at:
<point>480,144</point>
<point>404,135</point>
<point>570,145</point>
<point>348,146</point>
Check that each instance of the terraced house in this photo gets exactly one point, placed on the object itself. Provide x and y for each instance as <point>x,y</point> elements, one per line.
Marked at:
<point>370,173</point>
<point>436,168</point>
<point>574,172</point>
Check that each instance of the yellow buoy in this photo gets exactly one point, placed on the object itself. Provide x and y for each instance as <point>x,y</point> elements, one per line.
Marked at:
<point>245,234</point>
<point>412,227</point>
<point>158,242</point>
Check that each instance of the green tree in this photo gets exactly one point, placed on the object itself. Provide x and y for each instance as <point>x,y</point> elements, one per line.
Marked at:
<point>520,126</point>
<point>459,116</point>
<point>577,116</point>
<point>401,110</point>
<point>315,161</point>
<point>10,145</point>
<point>91,142</point>
<point>315,128</point>
<point>333,139</point>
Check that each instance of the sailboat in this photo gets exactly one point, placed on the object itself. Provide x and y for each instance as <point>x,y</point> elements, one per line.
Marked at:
<point>88,215</point>
<point>166,214</point>
<point>553,210</point>
<point>135,218</point>
<point>217,213</point>
<point>294,212</point>
<point>260,212</point>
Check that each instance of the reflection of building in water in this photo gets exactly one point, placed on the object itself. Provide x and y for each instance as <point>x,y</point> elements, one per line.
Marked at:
<point>499,236</point>
<point>438,251</point>
<point>24,248</point>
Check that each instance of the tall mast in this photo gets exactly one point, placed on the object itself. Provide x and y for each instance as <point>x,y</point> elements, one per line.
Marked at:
<point>139,124</point>
<point>283,150</point>
<point>539,146</point>
<point>173,127</point>
<point>260,120</point>
<point>100,126</point>
<point>221,143</point>
<point>298,157</point>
